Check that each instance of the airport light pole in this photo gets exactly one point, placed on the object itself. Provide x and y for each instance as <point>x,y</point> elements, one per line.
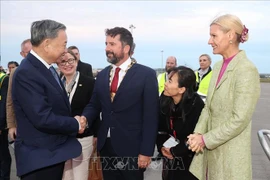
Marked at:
<point>161,58</point>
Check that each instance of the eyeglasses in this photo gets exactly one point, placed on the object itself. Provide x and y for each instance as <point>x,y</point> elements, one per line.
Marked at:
<point>69,61</point>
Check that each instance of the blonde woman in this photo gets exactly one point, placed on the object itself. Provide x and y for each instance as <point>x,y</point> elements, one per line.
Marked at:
<point>79,90</point>
<point>223,133</point>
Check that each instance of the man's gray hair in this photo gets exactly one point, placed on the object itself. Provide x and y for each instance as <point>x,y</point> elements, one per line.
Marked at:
<point>25,41</point>
<point>41,30</point>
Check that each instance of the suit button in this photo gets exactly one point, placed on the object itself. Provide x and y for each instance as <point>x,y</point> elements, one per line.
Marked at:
<point>111,112</point>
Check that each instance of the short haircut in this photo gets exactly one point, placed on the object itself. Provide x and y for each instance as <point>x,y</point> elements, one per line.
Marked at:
<point>173,58</point>
<point>73,47</point>
<point>133,48</point>
<point>125,36</point>
<point>25,41</point>
<point>13,62</point>
<point>41,30</point>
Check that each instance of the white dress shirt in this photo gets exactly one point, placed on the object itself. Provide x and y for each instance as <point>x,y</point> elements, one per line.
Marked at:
<point>123,68</point>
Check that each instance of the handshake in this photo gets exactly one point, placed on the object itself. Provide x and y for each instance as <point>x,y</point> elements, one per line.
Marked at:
<point>83,123</point>
<point>196,143</point>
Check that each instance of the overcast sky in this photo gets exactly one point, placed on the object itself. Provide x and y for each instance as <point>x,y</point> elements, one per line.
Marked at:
<point>179,28</point>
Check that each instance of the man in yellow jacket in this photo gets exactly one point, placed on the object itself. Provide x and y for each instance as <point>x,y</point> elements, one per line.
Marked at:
<point>171,62</point>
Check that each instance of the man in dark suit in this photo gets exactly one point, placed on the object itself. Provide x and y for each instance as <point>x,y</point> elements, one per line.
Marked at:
<point>127,95</point>
<point>83,68</point>
<point>46,134</point>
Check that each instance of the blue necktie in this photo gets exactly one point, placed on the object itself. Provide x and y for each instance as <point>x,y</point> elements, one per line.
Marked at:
<point>55,75</point>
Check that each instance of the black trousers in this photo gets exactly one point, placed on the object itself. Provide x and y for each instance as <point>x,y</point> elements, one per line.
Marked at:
<point>119,168</point>
<point>5,158</point>
<point>54,172</point>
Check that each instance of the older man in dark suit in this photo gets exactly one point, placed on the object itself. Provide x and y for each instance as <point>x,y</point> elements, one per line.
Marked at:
<point>46,134</point>
<point>26,47</point>
<point>127,95</point>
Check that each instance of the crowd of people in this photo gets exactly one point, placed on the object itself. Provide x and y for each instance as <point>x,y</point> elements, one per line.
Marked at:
<point>196,119</point>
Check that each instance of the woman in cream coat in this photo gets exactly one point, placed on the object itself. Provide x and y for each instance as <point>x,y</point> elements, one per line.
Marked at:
<point>222,137</point>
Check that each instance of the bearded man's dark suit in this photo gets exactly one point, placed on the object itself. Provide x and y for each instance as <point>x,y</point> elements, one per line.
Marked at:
<point>132,117</point>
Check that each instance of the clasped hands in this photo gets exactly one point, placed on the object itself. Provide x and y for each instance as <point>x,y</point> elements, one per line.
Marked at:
<point>143,161</point>
<point>83,123</point>
<point>195,142</point>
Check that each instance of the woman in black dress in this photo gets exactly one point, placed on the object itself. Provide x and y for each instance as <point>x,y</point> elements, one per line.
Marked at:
<point>180,108</point>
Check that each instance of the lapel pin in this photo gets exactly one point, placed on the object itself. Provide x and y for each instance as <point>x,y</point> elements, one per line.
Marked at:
<point>80,84</point>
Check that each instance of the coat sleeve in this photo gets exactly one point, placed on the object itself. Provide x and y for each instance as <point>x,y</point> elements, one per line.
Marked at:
<point>3,91</point>
<point>90,71</point>
<point>182,149</point>
<point>150,114</point>
<point>247,92</point>
<point>96,122</point>
<point>11,118</point>
<point>30,97</point>
<point>202,124</point>
<point>93,108</point>
<point>162,131</point>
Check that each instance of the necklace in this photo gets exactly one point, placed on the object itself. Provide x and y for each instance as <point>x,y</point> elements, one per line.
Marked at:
<point>69,86</point>
<point>133,61</point>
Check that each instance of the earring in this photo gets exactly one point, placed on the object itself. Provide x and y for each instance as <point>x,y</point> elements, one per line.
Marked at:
<point>230,41</point>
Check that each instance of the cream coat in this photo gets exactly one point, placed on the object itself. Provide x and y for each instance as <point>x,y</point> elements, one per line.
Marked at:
<point>225,122</point>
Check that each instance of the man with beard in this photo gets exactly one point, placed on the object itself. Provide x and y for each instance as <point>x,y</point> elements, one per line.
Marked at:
<point>127,95</point>
<point>162,78</point>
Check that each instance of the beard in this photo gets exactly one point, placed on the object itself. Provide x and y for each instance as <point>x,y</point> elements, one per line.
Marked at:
<point>114,59</point>
<point>168,69</point>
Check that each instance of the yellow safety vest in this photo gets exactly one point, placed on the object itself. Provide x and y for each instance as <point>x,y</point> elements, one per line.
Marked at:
<point>204,84</point>
<point>161,82</point>
<point>2,77</point>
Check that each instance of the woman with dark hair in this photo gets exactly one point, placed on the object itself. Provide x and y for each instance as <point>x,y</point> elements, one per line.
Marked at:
<point>180,108</point>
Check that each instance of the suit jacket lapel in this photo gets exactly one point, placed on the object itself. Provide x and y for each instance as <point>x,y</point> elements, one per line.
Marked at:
<point>106,85</point>
<point>48,75</point>
<point>126,80</point>
<point>78,89</point>
<point>230,68</point>
<point>212,86</point>
<point>223,78</point>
